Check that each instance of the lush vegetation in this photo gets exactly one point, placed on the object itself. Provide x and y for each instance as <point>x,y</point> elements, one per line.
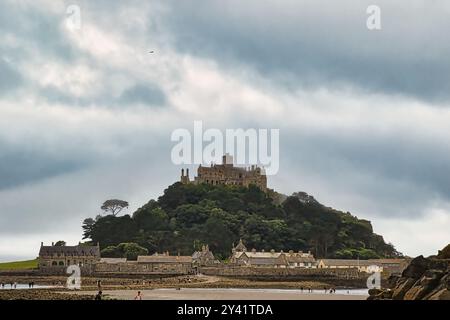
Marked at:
<point>187,216</point>
<point>19,265</point>
<point>124,250</point>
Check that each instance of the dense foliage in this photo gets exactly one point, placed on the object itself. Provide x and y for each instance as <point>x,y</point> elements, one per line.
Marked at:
<point>187,216</point>
<point>124,250</point>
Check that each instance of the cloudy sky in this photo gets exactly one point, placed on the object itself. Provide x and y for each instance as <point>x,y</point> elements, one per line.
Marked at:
<point>86,113</point>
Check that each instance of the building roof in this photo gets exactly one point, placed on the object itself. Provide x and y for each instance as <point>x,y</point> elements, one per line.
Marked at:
<point>202,254</point>
<point>388,261</point>
<point>300,259</point>
<point>240,247</point>
<point>164,259</point>
<point>265,261</point>
<point>70,250</point>
<point>263,254</point>
<point>113,260</point>
<point>346,262</point>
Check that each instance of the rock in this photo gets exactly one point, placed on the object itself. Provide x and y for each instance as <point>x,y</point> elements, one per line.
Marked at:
<point>423,279</point>
<point>444,253</point>
<point>377,294</point>
<point>416,268</point>
<point>443,294</point>
<point>424,285</point>
<point>402,287</point>
<point>392,281</point>
<point>374,292</point>
<point>444,284</point>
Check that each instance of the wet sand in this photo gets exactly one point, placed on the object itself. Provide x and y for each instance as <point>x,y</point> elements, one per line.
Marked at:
<point>225,294</point>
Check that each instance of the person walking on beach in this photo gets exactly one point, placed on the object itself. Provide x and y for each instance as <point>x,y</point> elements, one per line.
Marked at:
<point>138,296</point>
<point>98,296</point>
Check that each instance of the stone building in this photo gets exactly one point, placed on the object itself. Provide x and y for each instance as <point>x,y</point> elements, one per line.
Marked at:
<point>227,174</point>
<point>164,263</point>
<point>203,257</point>
<point>392,266</point>
<point>63,256</point>
<point>240,256</point>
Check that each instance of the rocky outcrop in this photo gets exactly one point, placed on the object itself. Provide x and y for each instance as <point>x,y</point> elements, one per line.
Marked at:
<point>423,279</point>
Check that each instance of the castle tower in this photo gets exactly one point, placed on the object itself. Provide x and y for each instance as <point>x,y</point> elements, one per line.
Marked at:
<point>227,160</point>
<point>184,178</point>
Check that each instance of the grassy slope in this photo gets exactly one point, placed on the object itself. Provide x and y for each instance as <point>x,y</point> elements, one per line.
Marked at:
<point>19,265</point>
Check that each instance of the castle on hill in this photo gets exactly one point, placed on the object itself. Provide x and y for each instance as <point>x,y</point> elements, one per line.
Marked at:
<point>227,174</point>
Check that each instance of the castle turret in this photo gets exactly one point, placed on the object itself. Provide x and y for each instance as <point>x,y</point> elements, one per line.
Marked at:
<point>184,178</point>
<point>227,160</point>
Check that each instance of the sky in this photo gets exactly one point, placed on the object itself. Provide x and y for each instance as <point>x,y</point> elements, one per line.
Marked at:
<point>86,113</point>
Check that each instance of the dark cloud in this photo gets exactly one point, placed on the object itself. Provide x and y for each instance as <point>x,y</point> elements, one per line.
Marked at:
<point>24,165</point>
<point>289,44</point>
<point>139,94</point>
<point>397,176</point>
<point>143,94</point>
<point>323,43</point>
<point>9,77</point>
<point>38,29</point>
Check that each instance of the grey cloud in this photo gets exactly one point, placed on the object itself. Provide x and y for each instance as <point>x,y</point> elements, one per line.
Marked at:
<point>290,43</point>
<point>9,77</point>
<point>143,94</point>
<point>139,94</point>
<point>24,165</point>
<point>39,29</point>
<point>323,43</point>
<point>395,175</point>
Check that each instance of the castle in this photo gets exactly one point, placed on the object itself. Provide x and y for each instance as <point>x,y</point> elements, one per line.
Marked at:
<point>226,173</point>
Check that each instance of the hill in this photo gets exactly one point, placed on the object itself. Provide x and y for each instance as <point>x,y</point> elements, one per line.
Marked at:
<point>187,216</point>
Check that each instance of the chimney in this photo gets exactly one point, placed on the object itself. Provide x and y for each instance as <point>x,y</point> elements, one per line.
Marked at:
<point>187,172</point>
<point>182,172</point>
<point>42,244</point>
<point>53,244</point>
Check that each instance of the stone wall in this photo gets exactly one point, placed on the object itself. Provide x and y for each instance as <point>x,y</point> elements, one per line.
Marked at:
<point>283,273</point>
<point>127,268</point>
<point>349,278</point>
<point>61,270</point>
<point>132,267</point>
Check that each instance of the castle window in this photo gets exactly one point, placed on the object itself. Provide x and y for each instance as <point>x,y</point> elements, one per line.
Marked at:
<point>54,263</point>
<point>61,263</point>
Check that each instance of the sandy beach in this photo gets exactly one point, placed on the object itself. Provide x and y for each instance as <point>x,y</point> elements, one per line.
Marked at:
<point>226,294</point>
